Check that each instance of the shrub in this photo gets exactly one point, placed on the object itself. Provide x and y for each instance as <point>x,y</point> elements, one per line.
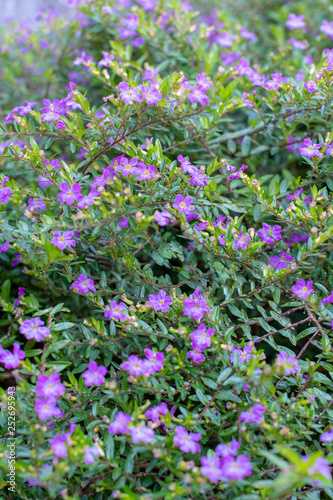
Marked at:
<point>166,255</point>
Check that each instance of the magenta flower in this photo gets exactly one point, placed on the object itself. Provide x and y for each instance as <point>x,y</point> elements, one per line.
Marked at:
<point>211,468</point>
<point>11,360</point>
<point>94,375</point>
<point>196,355</point>
<point>281,261</point>
<point>141,434</point>
<point>288,363</point>
<point>236,468</point>
<point>253,414</point>
<point>198,94</point>
<point>327,29</point>
<point>327,437</point>
<point>153,363</point>
<point>4,191</point>
<point>64,240</point>
<point>303,289</point>
<point>69,194</point>
<point>46,409</point>
<point>187,441</point>
<point>59,442</point>
<point>88,199</point>
<point>196,307</point>
<point>310,150</point>
<point>275,82</point>
<point>242,241</point>
<point>247,102</point>
<point>227,450</point>
<point>90,452</point>
<point>183,205</point>
<point>269,234</point>
<point>160,302</point>
<point>129,95</point>
<point>244,355</point>
<point>237,174</point>
<point>123,223</point>
<point>145,172</point>
<point>126,166</point>
<point>36,204</point>
<point>148,5</point>
<point>134,365</point>
<point>328,299</point>
<point>310,85</point>
<point>201,337</point>
<point>162,218</point>
<point>298,44</point>
<point>320,466</point>
<point>83,285</point>
<point>115,311</point>
<point>50,386</point>
<point>155,411</point>
<point>296,194</point>
<point>151,95</point>
<point>20,110</point>
<point>295,22</point>
<point>4,247</point>
<point>119,425</point>
<point>33,329</point>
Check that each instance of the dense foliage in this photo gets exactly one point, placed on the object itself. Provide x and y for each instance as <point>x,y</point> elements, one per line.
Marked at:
<point>166,252</point>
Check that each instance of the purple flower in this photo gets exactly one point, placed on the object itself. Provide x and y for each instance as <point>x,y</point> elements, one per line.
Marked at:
<point>52,110</point>
<point>33,329</point>
<point>46,409</point>
<point>151,95</point>
<point>36,204</point>
<point>115,311</point>
<point>196,307</point>
<point>237,174</point>
<point>59,442</point>
<point>298,44</point>
<point>244,355</point>
<point>69,194</point>
<point>123,223</point>
<point>247,102</point>
<point>224,39</point>
<point>327,299</point>
<point>187,441</point>
<point>160,302</point>
<point>211,468</point>
<point>94,375</point>
<point>329,150</point>
<point>162,218</point>
<point>281,261</point>
<point>107,59</point>
<point>303,289</point>
<point>82,59</point>
<point>327,29</point>
<point>153,363</point>
<point>296,194</point>
<point>275,82</point>
<point>310,150</point>
<point>242,241</point>
<point>150,74</point>
<point>119,425</point>
<point>320,466</point>
<point>4,191</point>
<point>50,386</point>
<point>11,360</point>
<point>131,21</point>
<point>88,199</point>
<point>134,365</point>
<point>129,95</point>
<point>155,411</point>
<point>196,355</point>
<point>236,468</point>
<point>287,362</point>
<point>141,434</point>
<point>126,166</point>
<point>327,437</point>
<point>310,85</point>
<point>4,247</point>
<point>269,234</point>
<point>145,172</point>
<point>183,205</point>
<point>64,240</point>
<point>20,110</point>
<point>295,22</point>
<point>83,285</point>
<point>244,33</point>
<point>253,414</point>
<point>201,337</point>
<point>90,452</point>
<point>148,5</point>
<point>227,450</point>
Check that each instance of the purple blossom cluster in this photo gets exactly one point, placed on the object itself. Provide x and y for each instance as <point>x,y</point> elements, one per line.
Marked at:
<point>225,465</point>
<point>149,366</point>
<point>201,339</point>
<point>49,389</point>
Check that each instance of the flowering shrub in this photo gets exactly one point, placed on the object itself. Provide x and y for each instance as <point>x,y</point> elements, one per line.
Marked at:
<point>166,253</point>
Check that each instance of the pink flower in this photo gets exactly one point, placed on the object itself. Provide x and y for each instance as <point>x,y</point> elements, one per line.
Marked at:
<point>187,441</point>
<point>154,362</point>
<point>227,450</point>
<point>119,425</point>
<point>310,150</point>
<point>160,302</point>
<point>236,468</point>
<point>134,365</point>
<point>183,205</point>
<point>242,241</point>
<point>269,234</point>
<point>83,285</point>
<point>162,218</point>
<point>288,363</point>
<point>50,386</point>
<point>211,468</point>
<point>141,434</point>
<point>151,95</point>
<point>155,411</point>
<point>295,22</point>
<point>64,240</point>
<point>94,375</point>
<point>275,82</point>
<point>253,414</point>
<point>310,85</point>
<point>46,409</point>
<point>196,307</point>
<point>129,95</point>
<point>116,311</point>
<point>196,355</point>
<point>90,452</point>
<point>33,329</point>
<point>303,289</point>
<point>4,247</point>
<point>69,194</point>
<point>11,360</point>
<point>201,337</point>
<point>145,172</point>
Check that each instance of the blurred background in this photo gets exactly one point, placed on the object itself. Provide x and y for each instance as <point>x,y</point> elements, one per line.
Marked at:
<point>28,9</point>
